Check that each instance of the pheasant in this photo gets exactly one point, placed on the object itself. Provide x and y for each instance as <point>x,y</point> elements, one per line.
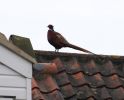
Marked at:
<point>58,41</point>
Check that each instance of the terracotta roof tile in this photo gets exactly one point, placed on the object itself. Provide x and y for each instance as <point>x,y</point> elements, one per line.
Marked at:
<point>72,66</point>
<point>91,98</point>
<point>67,91</point>
<point>84,92</point>
<point>112,81</point>
<point>90,68</point>
<point>79,77</point>
<point>54,95</point>
<point>71,98</point>
<point>62,78</point>
<point>102,94</point>
<point>117,94</point>
<point>34,83</point>
<point>47,84</point>
<point>36,94</point>
<point>120,69</point>
<point>95,80</point>
<point>107,68</point>
<point>59,64</point>
<point>46,68</point>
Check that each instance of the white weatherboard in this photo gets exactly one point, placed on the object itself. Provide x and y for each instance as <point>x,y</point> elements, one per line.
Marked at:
<point>16,62</point>
<point>5,70</point>
<point>6,98</point>
<point>15,76</point>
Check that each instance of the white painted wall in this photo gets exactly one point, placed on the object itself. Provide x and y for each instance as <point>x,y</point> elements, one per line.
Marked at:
<point>14,84</point>
<point>6,99</point>
<point>15,62</point>
<point>15,75</point>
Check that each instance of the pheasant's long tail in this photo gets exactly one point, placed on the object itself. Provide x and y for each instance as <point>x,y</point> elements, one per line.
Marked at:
<point>79,48</point>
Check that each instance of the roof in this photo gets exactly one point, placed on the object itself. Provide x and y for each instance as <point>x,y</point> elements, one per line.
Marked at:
<point>69,76</point>
<point>4,42</point>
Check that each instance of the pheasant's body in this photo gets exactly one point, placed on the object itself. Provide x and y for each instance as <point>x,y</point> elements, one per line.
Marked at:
<point>58,41</point>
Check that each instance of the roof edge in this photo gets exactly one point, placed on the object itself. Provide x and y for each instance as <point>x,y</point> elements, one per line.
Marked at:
<point>16,50</point>
<point>66,54</point>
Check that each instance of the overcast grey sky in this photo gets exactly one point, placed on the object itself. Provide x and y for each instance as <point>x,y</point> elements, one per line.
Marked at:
<point>96,25</point>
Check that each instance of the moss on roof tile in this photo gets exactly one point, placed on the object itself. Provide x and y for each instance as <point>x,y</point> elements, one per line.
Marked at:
<point>23,43</point>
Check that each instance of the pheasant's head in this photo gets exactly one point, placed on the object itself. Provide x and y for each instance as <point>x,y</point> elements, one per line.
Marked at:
<point>50,26</point>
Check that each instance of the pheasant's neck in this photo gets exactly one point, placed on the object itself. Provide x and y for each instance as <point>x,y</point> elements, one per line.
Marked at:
<point>50,34</point>
<point>51,29</point>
